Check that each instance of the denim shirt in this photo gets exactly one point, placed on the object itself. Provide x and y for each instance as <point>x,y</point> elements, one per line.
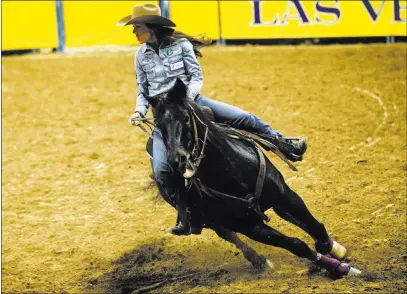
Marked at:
<point>157,74</point>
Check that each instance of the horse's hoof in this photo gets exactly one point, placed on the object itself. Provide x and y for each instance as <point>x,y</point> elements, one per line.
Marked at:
<point>262,263</point>
<point>354,272</point>
<point>344,269</point>
<point>269,264</point>
<point>338,251</point>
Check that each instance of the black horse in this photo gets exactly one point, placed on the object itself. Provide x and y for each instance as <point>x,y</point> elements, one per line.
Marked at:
<point>227,172</point>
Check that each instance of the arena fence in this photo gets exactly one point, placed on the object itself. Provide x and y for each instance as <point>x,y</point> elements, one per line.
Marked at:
<point>71,24</point>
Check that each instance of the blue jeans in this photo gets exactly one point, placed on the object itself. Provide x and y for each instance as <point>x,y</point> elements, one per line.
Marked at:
<point>167,181</point>
<point>236,117</point>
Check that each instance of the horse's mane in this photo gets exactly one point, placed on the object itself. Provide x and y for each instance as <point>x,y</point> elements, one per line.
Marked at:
<point>218,137</point>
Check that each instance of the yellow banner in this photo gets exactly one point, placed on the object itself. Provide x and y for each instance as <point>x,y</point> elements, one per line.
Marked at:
<point>196,17</point>
<point>28,25</point>
<point>93,23</point>
<point>262,19</point>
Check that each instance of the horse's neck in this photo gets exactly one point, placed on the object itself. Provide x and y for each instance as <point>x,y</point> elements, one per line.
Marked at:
<point>224,158</point>
<point>212,149</point>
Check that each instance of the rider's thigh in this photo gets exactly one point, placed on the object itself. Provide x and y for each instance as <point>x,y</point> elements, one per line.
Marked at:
<point>223,111</point>
<point>159,162</point>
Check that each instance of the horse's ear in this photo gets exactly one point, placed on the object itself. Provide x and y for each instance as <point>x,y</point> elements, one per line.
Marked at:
<point>179,91</point>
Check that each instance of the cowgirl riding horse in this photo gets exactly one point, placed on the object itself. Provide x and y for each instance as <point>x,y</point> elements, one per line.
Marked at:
<point>164,56</point>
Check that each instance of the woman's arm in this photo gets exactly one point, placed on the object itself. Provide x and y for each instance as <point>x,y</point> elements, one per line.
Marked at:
<point>141,100</point>
<point>193,69</point>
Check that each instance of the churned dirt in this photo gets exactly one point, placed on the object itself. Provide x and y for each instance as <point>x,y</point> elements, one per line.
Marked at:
<point>77,212</point>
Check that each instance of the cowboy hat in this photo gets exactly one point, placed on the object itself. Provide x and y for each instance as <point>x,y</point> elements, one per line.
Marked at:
<point>145,14</point>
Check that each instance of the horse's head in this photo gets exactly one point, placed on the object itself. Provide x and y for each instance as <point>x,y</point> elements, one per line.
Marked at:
<point>173,119</point>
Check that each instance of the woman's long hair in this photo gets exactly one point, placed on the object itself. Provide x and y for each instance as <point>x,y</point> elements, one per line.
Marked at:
<point>169,35</point>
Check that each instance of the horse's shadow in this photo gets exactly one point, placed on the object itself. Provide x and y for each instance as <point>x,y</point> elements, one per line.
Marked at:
<point>154,267</point>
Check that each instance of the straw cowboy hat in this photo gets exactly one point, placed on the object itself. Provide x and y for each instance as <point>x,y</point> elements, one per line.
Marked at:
<point>145,14</point>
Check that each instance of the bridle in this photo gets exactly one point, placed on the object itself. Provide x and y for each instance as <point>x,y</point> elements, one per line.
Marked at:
<point>195,157</point>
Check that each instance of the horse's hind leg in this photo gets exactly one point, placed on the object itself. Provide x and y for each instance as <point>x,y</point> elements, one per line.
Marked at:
<point>330,246</point>
<point>297,212</point>
<point>270,236</point>
<point>267,235</point>
<point>258,261</point>
<point>288,217</point>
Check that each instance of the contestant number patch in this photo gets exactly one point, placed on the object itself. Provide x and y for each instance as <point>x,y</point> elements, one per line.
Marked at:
<point>177,65</point>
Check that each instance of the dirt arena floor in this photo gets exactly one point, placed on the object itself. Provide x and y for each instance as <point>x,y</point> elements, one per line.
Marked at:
<point>77,212</point>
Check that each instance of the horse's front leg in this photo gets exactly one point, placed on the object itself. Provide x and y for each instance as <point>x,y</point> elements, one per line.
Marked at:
<point>257,260</point>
